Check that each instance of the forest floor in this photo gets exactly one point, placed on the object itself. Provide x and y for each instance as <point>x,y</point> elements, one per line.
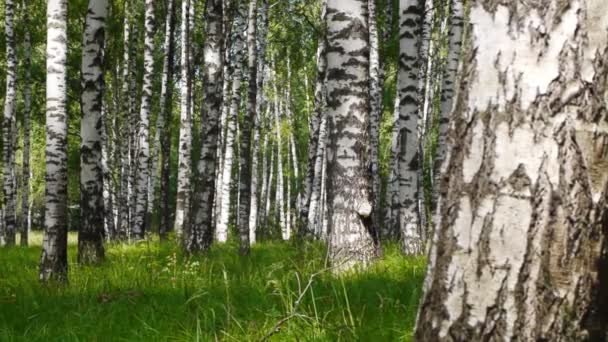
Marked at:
<point>150,292</point>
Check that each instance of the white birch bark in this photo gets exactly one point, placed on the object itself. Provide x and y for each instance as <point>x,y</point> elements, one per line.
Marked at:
<point>8,124</point>
<point>279,199</point>
<point>143,144</point>
<point>199,233</point>
<point>349,182</point>
<point>54,261</point>
<point>520,249</point>
<point>185,129</point>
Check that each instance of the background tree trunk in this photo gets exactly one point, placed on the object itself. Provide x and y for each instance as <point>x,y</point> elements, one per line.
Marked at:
<point>27,108</point>
<point>9,148</point>
<point>185,128</point>
<point>54,260</point>
<point>521,238</point>
<point>349,180</point>
<point>143,145</point>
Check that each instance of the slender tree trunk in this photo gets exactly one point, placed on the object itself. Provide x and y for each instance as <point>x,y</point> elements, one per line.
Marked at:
<point>162,136</point>
<point>520,250</point>
<point>308,207</point>
<point>318,185</point>
<point>447,92</point>
<point>245,153</point>
<point>404,191</point>
<point>10,103</point>
<point>54,259</point>
<point>261,62</point>
<point>375,95</point>
<point>125,168</point>
<point>293,200</point>
<point>224,197</point>
<point>268,195</point>
<point>90,234</point>
<point>280,199</point>
<point>349,182</point>
<point>107,158</point>
<point>185,128</point>
<point>199,234</point>
<point>27,106</point>
<point>143,145</point>
<point>261,216</point>
<point>134,129</point>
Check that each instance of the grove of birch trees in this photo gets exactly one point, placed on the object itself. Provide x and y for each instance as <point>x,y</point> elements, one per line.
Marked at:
<point>472,133</point>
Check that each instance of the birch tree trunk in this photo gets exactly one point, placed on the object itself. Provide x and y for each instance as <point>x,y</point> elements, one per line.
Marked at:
<point>349,182</point>
<point>54,261</point>
<point>224,197</point>
<point>280,199</point>
<point>107,158</point>
<point>9,148</point>
<point>261,64</point>
<point>185,129</point>
<point>447,91</point>
<point>375,95</point>
<point>245,153</point>
<point>90,234</point>
<point>162,137</point>
<point>520,250</point>
<point>403,185</point>
<point>143,145</point>
<point>125,168</point>
<point>199,233</point>
<point>314,213</point>
<point>27,107</point>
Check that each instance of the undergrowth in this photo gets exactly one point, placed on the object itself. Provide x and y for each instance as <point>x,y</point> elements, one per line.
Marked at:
<point>151,292</point>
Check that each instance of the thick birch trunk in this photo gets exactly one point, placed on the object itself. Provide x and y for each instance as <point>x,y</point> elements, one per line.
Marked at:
<point>403,186</point>
<point>199,234</point>
<point>90,234</point>
<point>27,106</point>
<point>349,181</point>
<point>54,259</point>
<point>9,148</point>
<point>520,250</point>
<point>185,129</point>
<point>143,145</point>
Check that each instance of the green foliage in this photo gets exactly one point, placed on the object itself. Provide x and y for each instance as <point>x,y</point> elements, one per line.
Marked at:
<point>147,292</point>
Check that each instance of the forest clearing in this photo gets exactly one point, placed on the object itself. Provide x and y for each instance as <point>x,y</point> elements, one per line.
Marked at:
<point>317,170</point>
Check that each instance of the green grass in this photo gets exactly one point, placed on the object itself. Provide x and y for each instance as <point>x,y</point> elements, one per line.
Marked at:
<point>150,292</point>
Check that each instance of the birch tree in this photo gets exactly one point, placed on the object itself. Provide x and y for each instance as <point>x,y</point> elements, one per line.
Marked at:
<point>90,234</point>
<point>54,261</point>
<point>403,214</point>
<point>10,102</point>
<point>200,232</point>
<point>27,108</point>
<point>185,128</point>
<point>349,182</point>
<point>244,207</point>
<point>143,144</point>
<point>231,121</point>
<point>162,136</point>
<point>520,249</point>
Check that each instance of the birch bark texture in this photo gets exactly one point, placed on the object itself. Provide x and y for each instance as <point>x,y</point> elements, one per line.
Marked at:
<point>90,234</point>
<point>143,143</point>
<point>8,128</point>
<point>200,232</point>
<point>54,259</point>
<point>185,128</point>
<point>520,249</point>
<point>349,182</point>
<point>403,193</point>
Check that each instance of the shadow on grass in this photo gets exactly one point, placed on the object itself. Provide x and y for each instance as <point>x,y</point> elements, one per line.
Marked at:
<point>149,292</point>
